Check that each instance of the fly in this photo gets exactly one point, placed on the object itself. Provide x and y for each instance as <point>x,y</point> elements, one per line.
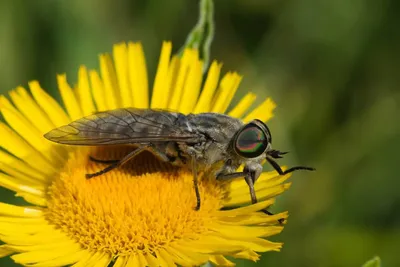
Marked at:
<point>211,142</point>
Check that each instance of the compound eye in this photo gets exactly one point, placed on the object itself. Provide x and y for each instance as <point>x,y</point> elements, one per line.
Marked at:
<point>251,141</point>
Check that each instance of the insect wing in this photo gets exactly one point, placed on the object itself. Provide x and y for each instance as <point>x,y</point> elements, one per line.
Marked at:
<point>123,126</point>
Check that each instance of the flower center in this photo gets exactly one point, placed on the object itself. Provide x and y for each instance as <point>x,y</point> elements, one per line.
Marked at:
<point>143,205</point>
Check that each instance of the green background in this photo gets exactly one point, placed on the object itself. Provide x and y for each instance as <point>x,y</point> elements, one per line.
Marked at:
<point>332,67</point>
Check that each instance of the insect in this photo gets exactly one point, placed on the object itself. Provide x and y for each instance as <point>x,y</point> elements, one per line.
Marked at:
<point>208,141</point>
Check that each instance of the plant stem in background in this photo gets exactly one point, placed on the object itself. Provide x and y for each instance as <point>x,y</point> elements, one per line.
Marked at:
<point>202,33</point>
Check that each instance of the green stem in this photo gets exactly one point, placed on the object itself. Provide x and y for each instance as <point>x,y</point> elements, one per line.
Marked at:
<point>202,34</point>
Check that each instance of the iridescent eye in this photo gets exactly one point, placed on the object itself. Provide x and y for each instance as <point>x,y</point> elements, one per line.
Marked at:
<point>251,141</point>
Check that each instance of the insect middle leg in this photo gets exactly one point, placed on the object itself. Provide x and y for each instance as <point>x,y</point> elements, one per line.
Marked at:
<point>196,183</point>
<point>118,163</point>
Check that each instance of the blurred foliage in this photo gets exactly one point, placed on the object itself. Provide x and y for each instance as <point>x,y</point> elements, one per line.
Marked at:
<point>332,67</point>
<point>375,262</point>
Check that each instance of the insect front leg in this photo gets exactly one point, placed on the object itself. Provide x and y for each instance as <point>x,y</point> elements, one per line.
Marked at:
<point>250,178</point>
<point>120,162</point>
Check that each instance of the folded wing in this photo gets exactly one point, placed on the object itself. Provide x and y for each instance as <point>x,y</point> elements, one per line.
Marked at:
<point>124,126</point>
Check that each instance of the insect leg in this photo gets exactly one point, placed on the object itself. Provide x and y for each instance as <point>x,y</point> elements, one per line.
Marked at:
<point>249,180</point>
<point>279,170</point>
<point>161,155</point>
<point>196,183</point>
<point>247,177</point>
<point>119,162</point>
<point>230,176</point>
<point>112,161</point>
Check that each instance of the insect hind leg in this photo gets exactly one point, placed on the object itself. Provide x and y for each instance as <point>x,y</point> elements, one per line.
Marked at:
<point>118,163</point>
<point>112,161</point>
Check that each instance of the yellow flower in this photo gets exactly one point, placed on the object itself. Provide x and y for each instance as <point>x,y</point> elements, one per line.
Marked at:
<point>140,214</point>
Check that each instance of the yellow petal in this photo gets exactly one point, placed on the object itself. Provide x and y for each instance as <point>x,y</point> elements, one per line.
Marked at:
<point>49,105</point>
<point>142,260</point>
<point>247,254</point>
<point>35,200</point>
<point>162,253</point>
<point>161,87</point>
<point>187,58</point>
<point>44,255</point>
<point>21,239</point>
<point>190,257</point>
<point>9,182</point>
<point>104,261</point>
<point>220,260</point>
<point>172,77</point>
<point>84,92</point>
<point>63,260</point>
<point>19,123</point>
<point>258,218</point>
<point>12,210</point>
<point>171,253</point>
<point>263,112</point>
<point>87,257</point>
<point>228,86</point>
<point>163,262</point>
<point>120,53</point>
<point>203,105</point>
<point>192,85</point>
<point>98,91</point>
<point>211,244</point>
<point>245,232</point>
<point>110,81</point>
<point>43,246</point>
<point>151,260</point>
<point>20,170</point>
<point>26,130</point>
<point>138,76</point>
<point>24,102</point>
<point>120,262</point>
<point>69,98</point>
<point>5,251</point>
<point>266,179</point>
<point>258,244</point>
<point>243,105</point>
<point>242,197</point>
<point>93,259</point>
<point>246,209</point>
<point>133,261</point>
<point>14,144</point>
<point>232,91</point>
<point>9,228</point>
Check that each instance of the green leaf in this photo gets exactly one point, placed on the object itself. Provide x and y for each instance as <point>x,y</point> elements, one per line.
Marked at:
<point>374,262</point>
<point>207,264</point>
<point>202,33</point>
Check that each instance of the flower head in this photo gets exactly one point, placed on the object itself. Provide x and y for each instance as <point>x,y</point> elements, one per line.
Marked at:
<point>142,213</point>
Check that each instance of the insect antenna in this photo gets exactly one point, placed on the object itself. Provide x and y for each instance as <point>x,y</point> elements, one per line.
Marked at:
<point>276,154</point>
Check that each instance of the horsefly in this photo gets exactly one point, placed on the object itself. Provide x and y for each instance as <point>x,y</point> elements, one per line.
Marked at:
<point>210,142</point>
